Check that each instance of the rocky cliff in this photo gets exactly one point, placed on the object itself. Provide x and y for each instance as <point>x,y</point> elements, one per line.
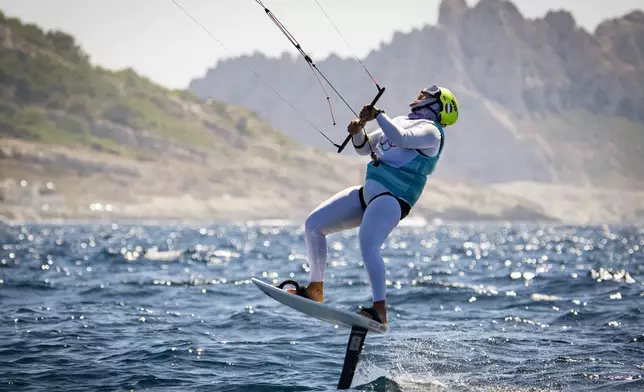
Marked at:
<point>541,100</point>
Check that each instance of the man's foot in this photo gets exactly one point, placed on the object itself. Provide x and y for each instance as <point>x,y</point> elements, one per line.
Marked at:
<point>314,291</point>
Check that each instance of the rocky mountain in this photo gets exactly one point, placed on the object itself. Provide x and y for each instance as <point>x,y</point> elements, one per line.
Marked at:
<point>541,100</point>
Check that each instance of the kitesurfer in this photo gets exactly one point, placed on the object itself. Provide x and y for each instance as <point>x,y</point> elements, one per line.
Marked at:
<point>405,152</point>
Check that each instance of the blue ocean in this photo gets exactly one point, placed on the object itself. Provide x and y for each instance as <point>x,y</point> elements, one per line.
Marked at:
<point>170,307</point>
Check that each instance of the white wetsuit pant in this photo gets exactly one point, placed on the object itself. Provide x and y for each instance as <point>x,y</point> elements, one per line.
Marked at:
<point>344,211</point>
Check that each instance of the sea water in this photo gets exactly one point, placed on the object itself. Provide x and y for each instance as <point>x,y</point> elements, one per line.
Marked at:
<point>170,307</point>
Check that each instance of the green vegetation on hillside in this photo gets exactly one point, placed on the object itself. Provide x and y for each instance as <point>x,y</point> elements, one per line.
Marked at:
<point>51,93</point>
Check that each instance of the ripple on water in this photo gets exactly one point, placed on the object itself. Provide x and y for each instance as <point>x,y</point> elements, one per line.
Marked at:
<point>480,307</point>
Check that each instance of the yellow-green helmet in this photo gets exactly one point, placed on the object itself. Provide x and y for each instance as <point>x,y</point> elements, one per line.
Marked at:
<point>439,100</point>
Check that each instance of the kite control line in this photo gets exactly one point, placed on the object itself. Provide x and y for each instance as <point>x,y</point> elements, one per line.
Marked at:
<point>320,76</point>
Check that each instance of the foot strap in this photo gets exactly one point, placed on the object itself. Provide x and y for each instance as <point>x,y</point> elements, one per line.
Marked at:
<point>372,312</point>
<point>301,291</point>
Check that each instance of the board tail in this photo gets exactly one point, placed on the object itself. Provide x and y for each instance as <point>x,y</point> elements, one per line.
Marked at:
<point>352,356</point>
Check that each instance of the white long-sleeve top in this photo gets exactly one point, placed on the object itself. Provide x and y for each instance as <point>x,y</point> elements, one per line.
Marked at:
<point>396,141</point>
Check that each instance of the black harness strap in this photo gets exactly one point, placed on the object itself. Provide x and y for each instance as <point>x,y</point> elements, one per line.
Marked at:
<point>405,208</point>
<point>362,202</point>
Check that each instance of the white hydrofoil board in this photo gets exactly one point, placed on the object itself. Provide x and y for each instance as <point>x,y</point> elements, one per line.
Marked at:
<point>319,310</point>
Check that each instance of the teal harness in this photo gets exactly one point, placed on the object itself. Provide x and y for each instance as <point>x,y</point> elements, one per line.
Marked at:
<point>407,182</point>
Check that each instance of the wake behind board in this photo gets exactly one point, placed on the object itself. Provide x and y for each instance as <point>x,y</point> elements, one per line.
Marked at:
<point>320,311</point>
